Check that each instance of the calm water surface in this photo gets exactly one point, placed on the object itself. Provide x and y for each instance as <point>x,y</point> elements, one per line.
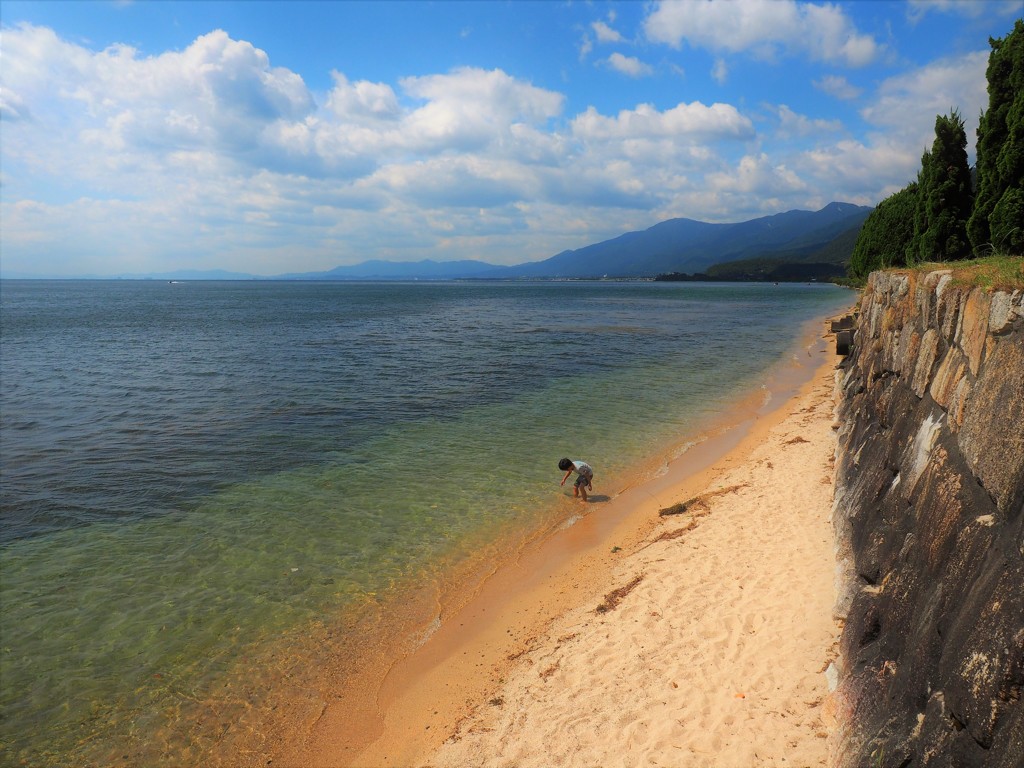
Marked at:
<point>195,472</point>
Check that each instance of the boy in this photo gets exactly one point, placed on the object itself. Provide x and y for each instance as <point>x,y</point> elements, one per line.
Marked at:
<point>584,476</point>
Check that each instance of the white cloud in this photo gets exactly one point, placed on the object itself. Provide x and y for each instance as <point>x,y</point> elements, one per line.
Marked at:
<point>213,157</point>
<point>604,33</point>
<point>975,9</point>
<point>906,105</point>
<point>12,107</point>
<point>218,94</point>
<point>838,86</point>
<point>756,174</point>
<point>686,121</point>
<point>470,181</point>
<point>586,46</point>
<point>792,124</point>
<point>763,28</point>
<point>628,65</point>
<point>862,172</point>
<point>720,71</point>
<point>903,110</point>
<point>363,100</point>
<point>753,186</point>
<point>223,97</point>
<point>493,91</point>
<point>472,108</point>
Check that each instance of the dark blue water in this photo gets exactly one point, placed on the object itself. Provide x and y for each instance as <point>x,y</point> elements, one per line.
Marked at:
<point>191,471</point>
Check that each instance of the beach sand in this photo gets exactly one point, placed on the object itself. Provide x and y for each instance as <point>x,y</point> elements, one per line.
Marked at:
<point>698,638</point>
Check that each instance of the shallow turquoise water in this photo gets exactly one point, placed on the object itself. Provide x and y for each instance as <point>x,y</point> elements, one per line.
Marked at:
<point>193,472</point>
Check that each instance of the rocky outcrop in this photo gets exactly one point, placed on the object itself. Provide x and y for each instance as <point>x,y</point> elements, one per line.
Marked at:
<point>929,521</point>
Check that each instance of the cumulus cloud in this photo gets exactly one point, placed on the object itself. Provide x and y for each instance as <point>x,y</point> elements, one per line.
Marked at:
<point>222,99</point>
<point>903,112</point>
<point>12,107</point>
<point>694,120</point>
<point>861,172</point>
<point>471,181</point>
<point>362,101</point>
<point>917,9</point>
<point>762,28</point>
<point>604,33</point>
<point>218,94</point>
<point>756,173</point>
<point>720,71</point>
<point>628,65</point>
<point>838,86</point>
<point>906,105</point>
<point>471,109</point>
<point>215,153</point>
<point>793,125</point>
<point>493,93</point>
<point>586,46</point>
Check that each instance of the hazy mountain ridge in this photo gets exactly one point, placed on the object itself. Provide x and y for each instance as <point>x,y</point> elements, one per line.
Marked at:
<point>684,245</point>
<point>672,246</point>
<point>803,259</point>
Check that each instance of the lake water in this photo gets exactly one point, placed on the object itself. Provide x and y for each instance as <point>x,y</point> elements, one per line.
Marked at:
<point>198,475</point>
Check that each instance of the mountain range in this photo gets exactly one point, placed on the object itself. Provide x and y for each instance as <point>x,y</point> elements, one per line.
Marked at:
<point>681,245</point>
<point>792,244</point>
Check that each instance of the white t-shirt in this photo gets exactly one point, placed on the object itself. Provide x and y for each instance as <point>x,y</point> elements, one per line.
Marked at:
<point>582,468</point>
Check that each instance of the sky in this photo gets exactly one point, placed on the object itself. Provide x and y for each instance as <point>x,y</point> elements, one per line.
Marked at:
<point>279,137</point>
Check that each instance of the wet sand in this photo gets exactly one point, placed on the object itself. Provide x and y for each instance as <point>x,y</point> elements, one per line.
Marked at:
<point>635,637</point>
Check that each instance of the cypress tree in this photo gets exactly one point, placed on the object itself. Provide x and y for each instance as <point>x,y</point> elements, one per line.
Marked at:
<point>886,234</point>
<point>999,204</point>
<point>944,195</point>
<point>1007,219</point>
<point>920,216</point>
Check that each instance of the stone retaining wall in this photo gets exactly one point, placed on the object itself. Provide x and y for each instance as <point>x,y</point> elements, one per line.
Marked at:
<point>929,523</point>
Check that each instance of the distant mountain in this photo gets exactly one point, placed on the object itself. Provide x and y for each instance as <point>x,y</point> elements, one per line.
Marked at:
<point>193,274</point>
<point>685,245</point>
<point>798,261</point>
<point>411,270</point>
<point>181,274</point>
<point>757,247</point>
<point>676,245</point>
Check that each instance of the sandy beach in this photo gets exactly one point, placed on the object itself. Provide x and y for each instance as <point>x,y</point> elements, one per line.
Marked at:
<point>685,621</point>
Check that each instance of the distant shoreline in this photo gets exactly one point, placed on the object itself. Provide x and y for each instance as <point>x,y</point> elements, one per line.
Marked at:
<point>670,278</point>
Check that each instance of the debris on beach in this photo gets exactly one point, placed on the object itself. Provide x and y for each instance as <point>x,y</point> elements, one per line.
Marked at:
<point>613,598</point>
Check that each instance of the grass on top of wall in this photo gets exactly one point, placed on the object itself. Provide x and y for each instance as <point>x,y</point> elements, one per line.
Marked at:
<point>991,272</point>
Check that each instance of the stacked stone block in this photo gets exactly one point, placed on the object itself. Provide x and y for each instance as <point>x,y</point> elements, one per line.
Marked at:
<point>929,523</point>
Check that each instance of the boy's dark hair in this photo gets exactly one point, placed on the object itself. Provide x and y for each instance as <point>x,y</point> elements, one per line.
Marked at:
<point>565,465</point>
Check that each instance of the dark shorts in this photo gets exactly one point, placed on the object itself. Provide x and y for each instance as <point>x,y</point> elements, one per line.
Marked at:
<point>583,480</point>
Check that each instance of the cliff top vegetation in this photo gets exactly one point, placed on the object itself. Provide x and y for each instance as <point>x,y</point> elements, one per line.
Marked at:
<point>992,272</point>
<point>943,215</point>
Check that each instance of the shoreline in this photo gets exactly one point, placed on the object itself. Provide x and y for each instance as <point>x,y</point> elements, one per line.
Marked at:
<point>430,694</point>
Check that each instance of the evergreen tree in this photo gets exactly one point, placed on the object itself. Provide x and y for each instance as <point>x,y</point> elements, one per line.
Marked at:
<point>999,205</point>
<point>1007,220</point>
<point>919,218</point>
<point>944,195</point>
<point>886,234</point>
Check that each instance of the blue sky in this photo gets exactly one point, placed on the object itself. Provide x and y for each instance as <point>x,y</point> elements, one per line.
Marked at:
<point>272,137</point>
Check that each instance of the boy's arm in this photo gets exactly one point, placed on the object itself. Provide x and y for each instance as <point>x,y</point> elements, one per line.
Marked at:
<point>566,477</point>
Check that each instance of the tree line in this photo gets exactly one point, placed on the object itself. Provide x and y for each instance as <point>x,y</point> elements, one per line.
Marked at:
<point>945,214</point>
